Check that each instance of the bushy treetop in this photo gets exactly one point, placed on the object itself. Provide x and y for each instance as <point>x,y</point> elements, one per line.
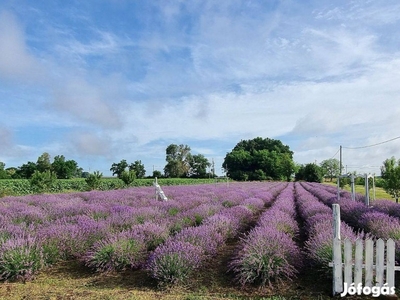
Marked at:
<point>259,159</point>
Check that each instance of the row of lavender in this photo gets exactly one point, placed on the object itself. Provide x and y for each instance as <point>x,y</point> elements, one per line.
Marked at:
<point>109,230</point>
<point>176,259</point>
<point>269,252</point>
<point>318,226</point>
<point>374,219</point>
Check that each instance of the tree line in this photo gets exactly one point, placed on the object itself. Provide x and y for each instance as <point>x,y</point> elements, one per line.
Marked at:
<point>60,167</point>
<point>255,159</point>
<point>180,163</point>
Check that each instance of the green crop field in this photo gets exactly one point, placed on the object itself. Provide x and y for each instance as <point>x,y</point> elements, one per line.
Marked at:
<point>19,187</point>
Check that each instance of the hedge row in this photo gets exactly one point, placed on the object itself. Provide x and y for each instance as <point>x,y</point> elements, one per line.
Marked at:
<point>19,187</point>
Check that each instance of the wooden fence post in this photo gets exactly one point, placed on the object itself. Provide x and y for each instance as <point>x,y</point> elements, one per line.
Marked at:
<point>337,251</point>
<point>336,220</point>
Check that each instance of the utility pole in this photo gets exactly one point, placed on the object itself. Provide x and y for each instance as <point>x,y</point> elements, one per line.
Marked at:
<point>340,160</point>
<point>213,170</point>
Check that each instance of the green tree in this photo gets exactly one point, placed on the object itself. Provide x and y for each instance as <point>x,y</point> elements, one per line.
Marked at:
<point>177,158</point>
<point>390,172</point>
<point>119,168</point>
<point>259,159</point>
<point>65,169</point>
<point>42,181</point>
<point>3,172</point>
<point>12,172</point>
<point>237,164</point>
<point>198,165</point>
<point>157,174</point>
<point>139,169</point>
<point>310,172</point>
<point>331,168</point>
<point>26,170</point>
<point>43,162</point>
<point>287,167</point>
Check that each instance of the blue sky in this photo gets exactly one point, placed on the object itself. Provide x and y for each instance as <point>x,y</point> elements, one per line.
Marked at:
<point>105,80</point>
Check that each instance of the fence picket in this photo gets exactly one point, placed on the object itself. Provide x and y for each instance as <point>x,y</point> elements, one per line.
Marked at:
<point>369,262</point>
<point>337,266</point>
<point>358,262</point>
<point>348,262</point>
<point>390,262</point>
<point>380,262</point>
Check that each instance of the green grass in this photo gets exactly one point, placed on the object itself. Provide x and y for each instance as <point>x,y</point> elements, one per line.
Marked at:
<point>379,192</point>
<point>69,280</point>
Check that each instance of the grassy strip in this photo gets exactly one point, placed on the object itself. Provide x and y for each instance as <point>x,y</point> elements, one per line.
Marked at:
<point>19,187</point>
<point>379,192</point>
<point>69,280</point>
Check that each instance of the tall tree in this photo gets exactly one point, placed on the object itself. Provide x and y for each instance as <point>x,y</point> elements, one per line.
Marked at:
<point>331,167</point>
<point>390,172</point>
<point>43,163</point>
<point>119,168</point>
<point>198,165</point>
<point>309,172</point>
<point>259,159</point>
<point>139,169</point>
<point>3,173</point>
<point>26,170</point>
<point>63,168</point>
<point>177,158</point>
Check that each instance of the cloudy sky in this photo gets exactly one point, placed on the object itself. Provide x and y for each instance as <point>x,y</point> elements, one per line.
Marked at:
<point>103,80</point>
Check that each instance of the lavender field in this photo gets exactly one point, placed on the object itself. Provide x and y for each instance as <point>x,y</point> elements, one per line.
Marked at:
<point>277,231</point>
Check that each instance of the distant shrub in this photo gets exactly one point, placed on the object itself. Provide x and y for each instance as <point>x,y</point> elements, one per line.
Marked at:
<point>43,181</point>
<point>93,180</point>
<point>128,177</point>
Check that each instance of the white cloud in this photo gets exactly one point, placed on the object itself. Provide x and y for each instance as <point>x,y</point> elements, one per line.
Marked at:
<point>210,71</point>
<point>6,138</point>
<point>85,102</point>
<point>9,150</point>
<point>16,62</point>
<point>366,12</point>
<point>90,144</point>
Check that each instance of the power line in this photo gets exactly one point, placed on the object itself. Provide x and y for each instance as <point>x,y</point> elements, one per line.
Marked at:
<point>353,148</point>
<point>335,153</point>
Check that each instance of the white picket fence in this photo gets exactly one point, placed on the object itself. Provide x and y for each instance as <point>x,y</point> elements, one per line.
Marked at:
<point>351,262</point>
<point>352,265</point>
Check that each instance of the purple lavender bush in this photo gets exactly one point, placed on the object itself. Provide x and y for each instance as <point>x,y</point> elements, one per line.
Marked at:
<point>205,236</point>
<point>381,225</point>
<point>151,233</point>
<point>319,246</point>
<point>20,258</point>
<point>174,261</point>
<point>70,237</point>
<point>268,256</point>
<point>223,224</point>
<point>116,252</point>
<point>387,206</point>
<point>280,221</point>
<point>254,204</point>
<point>268,253</point>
